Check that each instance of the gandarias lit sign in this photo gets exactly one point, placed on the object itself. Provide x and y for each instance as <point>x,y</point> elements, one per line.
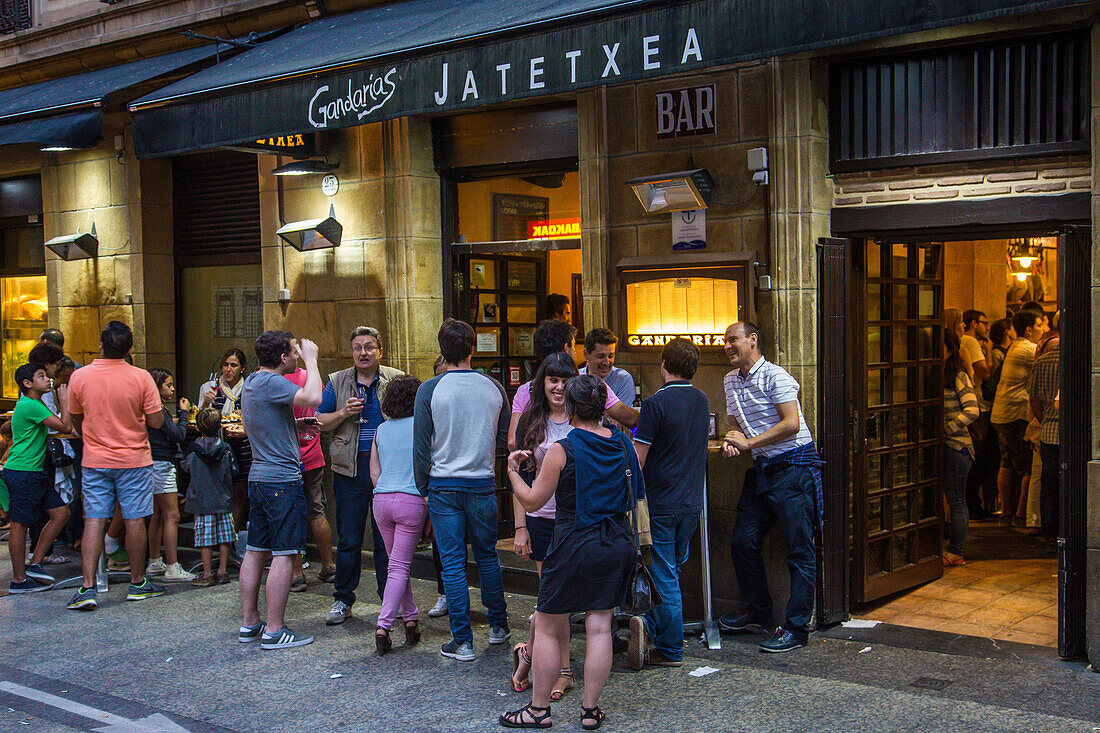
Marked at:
<point>660,339</point>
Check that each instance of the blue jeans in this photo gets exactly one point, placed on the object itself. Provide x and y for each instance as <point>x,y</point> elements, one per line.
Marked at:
<point>956,467</point>
<point>790,501</point>
<point>276,517</point>
<point>353,503</point>
<point>665,622</point>
<point>458,517</point>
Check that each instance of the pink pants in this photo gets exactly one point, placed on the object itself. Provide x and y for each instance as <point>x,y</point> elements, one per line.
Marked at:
<point>400,518</point>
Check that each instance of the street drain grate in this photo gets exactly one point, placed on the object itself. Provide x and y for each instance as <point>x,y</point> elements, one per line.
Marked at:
<point>930,683</point>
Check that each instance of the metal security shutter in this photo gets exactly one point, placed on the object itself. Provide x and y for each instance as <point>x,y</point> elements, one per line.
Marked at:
<point>1022,97</point>
<point>216,208</point>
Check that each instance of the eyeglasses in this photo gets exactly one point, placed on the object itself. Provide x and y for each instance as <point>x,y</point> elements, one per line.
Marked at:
<point>363,349</point>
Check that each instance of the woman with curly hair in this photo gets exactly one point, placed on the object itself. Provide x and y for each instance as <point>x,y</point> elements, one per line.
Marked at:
<point>399,509</point>
<point>542,424</point>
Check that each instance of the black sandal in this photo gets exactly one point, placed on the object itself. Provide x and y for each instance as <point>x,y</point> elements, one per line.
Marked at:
<point>593,713</point>
<point>382,643</point>
<point>514,718</point>
<point>412,633</point>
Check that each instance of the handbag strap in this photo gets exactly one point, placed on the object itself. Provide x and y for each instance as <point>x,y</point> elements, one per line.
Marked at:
<point>628,473</point>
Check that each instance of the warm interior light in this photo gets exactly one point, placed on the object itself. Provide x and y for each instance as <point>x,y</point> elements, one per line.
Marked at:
<point>55,148</point>
<point>1021,276</point>
<point>1025,260</point>
<point>304,168</point>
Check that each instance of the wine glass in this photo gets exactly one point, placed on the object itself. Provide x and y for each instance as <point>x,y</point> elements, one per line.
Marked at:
<point>362,392</point>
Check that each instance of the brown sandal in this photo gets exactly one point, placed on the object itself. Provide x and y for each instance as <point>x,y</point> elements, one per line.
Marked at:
<point>519,654</point>
<point>565,673</point>
<point>412,633</point>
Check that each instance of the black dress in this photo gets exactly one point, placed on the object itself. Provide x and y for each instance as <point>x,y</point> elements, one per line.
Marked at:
<point>585,569</point>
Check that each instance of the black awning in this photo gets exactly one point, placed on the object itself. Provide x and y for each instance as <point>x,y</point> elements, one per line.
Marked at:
<point>424,56</point>
<point>69,111</point>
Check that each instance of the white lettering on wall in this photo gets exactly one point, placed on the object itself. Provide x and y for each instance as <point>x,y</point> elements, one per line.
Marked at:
<point>691,47</point>
<point>704,108</point>
<point>611,63</point>
<point>503,69</point>
<point>470,87</point>
<point>650,51</point>
<point>572,56</point>
<point>536,72</point>
<point>666,120</point>
<point>441,96</point>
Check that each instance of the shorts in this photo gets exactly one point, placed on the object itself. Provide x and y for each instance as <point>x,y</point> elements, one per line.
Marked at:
<point>276,517</point>
<point>31,495</point>
<point>214,529</point>
<point>313,480</point>
<point>541,531</point>
<point>164,478</point>
<point>1015,450</point>
<point>132,488</point>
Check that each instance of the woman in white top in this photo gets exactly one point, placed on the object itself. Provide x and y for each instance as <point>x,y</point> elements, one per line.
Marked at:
<point>399,509</point>
<point>542,424</point>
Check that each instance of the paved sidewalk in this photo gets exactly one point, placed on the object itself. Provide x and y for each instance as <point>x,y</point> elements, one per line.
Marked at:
<point>178,656</point>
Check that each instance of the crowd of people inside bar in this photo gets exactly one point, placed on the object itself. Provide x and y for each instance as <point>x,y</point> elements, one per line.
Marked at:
<point>107,456</point>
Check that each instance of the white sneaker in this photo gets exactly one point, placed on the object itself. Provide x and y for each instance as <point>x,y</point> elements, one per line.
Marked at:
<point>338,613</point>
<point>156,567</point>
<point>176,574</point>
<point>440,608</point>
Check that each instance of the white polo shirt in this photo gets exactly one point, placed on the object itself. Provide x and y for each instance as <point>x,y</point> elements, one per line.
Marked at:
<point>753,399</point>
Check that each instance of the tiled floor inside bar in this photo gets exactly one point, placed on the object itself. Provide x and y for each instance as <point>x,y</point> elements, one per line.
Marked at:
<point>1008,590</point>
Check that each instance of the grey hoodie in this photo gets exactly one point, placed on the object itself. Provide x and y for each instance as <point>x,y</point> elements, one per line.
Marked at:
<point>211,465</point>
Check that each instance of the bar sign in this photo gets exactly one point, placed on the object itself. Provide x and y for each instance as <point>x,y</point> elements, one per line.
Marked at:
<point>685,112</point>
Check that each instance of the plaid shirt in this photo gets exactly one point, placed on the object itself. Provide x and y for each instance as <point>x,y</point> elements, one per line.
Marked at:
<point>1045,378</point>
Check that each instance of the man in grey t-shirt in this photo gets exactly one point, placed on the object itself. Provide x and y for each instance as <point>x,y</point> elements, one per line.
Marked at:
<point>277,517</point>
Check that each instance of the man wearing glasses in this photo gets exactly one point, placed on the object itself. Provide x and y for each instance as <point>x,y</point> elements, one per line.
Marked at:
<point>976,350</point>
<point>358,390</point>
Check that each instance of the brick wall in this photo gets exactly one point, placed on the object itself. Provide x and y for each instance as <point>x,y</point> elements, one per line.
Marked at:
<point>963,181</point>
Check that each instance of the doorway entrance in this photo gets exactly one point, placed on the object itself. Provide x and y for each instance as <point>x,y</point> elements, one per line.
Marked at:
<point>1012,581</point>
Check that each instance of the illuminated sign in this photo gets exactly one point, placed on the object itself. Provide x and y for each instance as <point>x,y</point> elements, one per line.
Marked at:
<point>299,145</point>
<point>660,339</point>
<point>554,229</point>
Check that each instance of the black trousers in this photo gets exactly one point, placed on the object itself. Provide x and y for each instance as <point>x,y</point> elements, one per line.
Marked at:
<point>981,482</point>
<point>790,501</point>
<point>1049,491</point>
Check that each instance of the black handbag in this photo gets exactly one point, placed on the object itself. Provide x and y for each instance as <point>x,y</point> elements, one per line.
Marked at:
<point>641,594</point>
<point>55,451</point>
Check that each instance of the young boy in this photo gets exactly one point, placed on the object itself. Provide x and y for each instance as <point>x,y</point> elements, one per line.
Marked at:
<point>29,485</point>
<point>209,462</point>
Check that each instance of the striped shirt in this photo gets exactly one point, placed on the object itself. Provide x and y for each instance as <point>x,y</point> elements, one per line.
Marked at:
<point>1044,387</point>
<point>960,408</point>
<point>752,401</point>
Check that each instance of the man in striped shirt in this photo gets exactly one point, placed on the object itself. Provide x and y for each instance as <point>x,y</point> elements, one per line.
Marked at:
<point>783,485</point>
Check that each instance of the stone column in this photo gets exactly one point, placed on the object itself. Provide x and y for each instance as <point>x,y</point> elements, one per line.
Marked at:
<point>1092,563</point>
<point>800,200</point>
<point>593,167</point>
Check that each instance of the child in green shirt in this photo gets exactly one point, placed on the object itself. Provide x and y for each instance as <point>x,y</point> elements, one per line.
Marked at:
<point>30,486</point>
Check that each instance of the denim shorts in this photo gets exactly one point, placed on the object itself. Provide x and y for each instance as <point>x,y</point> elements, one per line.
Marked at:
<point>132,488</point>
<point>276,517</point>
<point>164,478</point>
<point>31,494</point>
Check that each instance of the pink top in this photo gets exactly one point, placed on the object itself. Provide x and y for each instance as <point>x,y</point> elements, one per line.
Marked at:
<point>523,399</point>
<point>114,398</point>
<point>312,457</point>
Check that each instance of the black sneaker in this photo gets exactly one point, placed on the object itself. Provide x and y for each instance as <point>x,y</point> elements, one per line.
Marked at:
<point>743,622</point>
<point>36,571</point>
<point>83,600</point>
<point>284,639</point>
<point>144,589</point>
<point>247,634</point>
<point>462,651</point>
<point>29,585</point>
<point>783,641</point>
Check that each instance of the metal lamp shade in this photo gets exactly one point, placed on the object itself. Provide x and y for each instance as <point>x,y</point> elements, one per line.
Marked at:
<point>680,191</point>
<point>312,234</point>
<point>75,246</point>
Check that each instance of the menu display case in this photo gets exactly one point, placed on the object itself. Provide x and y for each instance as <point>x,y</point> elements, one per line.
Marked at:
<point>694,296</point>
<point>23,316</point>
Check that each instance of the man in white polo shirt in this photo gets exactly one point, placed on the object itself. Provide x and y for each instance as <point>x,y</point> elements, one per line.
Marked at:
<point>784,485</point>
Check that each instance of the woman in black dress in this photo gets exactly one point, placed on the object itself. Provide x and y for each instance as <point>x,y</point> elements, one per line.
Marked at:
<point>595,476</point>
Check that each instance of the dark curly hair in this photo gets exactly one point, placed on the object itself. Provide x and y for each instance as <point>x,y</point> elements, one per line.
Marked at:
<point>400,397</point>
<point>45,353</point>
<point>551,336</point>
<point>585,397</point>
<point>271,346</point>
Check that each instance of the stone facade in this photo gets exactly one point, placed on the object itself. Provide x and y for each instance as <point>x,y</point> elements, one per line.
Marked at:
<point>963,181</point>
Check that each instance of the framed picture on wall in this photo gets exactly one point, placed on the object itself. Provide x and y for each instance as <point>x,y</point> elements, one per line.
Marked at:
<point>512,212</point>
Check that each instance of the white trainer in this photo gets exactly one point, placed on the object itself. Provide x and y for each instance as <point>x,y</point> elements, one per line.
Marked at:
<point>440,608</point>
<point>176,574</point>
<point>156,567</point>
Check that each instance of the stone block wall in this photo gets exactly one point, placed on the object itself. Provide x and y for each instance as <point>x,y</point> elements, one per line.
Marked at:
<point>963,181</point>
<point>386,272</point>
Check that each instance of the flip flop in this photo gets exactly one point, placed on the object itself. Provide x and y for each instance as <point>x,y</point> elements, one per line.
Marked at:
<point>518,651</point>
<point>54,559</point>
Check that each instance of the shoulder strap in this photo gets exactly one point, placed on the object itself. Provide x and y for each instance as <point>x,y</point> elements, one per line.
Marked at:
<point>628,473</point>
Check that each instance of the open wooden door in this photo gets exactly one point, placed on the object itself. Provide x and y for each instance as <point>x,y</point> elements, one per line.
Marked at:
<point>897,380</point>
<point>1074,260</point>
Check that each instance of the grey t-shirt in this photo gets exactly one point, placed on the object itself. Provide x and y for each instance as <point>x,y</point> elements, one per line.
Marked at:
<point>267,410</point>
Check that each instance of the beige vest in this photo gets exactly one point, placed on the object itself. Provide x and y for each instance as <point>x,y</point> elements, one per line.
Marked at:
<point>344,447</point>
